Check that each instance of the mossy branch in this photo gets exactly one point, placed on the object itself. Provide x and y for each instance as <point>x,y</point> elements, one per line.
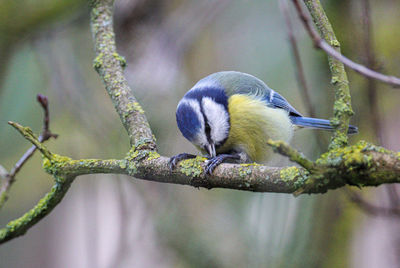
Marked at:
<point>28,134</point>
<point>284,149</point>
<point>109,64</point>
<point>342,109</point>
<point>19,226</point>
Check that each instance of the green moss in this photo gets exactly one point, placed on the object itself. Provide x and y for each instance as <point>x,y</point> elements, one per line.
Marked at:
<point>153,155</point>
<point>142,143</point>
<point>56,163</point>
<point>335,80</point>
<point>132,107</point>
<point>302,180</point>
<point>98,62</point>
<point>135,106</point>
<point>192,167</point>
<point>132,168</point>
<point>335,43</point>
<point>353,158</point>
<point>122,164</point>
<point>244,171</point>
<point>341,107</point>
<point>289,174</point>
<point>340,140</point>
<point>121,59</point>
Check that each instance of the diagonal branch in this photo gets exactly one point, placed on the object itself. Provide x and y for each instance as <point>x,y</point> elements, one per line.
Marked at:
<point>19,226</point>
<point>28,134</point>
<point>109,64</point>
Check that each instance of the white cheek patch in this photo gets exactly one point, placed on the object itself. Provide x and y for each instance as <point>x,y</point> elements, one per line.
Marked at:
<point>201,138</point>
<point>218,119</point>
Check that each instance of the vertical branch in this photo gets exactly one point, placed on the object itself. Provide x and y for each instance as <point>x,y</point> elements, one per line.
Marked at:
<point>301,79</point>
<point>371,63</point>
<point>342,107</point>
<point>109,64</point>
<point>299,70</point>
<point>375,115</point>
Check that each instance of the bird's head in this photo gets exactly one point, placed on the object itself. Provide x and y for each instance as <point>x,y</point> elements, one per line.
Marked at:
<point>203,118</point>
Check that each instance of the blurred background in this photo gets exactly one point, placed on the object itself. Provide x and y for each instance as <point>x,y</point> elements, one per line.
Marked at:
<point>117,221</point>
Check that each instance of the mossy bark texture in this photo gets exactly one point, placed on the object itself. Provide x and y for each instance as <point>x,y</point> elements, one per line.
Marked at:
<point>342,107</point>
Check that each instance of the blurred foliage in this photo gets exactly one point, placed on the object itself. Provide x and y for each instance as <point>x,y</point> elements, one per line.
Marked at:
<point>46,48</point>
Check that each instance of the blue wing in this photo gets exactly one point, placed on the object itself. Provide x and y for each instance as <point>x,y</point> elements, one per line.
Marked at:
<point>275,100</point>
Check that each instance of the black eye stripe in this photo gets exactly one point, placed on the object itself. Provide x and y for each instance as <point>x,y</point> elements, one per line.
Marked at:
<point>207,127</point>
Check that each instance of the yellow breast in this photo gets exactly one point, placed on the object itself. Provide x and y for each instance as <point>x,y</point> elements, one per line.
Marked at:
<point>252,124</point>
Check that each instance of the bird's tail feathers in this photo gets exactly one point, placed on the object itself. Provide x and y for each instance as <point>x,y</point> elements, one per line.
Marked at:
<point>318,123</point>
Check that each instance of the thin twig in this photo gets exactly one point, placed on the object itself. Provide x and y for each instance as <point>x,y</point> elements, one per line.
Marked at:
<point>370,62</point>
<point>284,149</point>
<point>9,178</point>
<point>320,43</point>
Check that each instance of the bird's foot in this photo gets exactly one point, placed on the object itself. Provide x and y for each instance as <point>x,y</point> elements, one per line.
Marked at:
<point>217,160</point>
<point>173,162</point>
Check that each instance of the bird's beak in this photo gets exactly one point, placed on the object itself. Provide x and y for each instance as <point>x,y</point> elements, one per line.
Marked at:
<point>211,150</point>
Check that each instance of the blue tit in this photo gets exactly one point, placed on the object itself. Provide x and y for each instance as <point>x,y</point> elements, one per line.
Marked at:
<point>231,115</point>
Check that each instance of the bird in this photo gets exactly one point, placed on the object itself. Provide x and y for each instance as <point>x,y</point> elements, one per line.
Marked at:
<point>229,116</point>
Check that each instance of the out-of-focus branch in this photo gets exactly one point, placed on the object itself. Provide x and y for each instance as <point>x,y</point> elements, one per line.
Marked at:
<point>370,62</point>
<point>299,70</point>
<point>331,48</point>
<point>375,116</point>
<point>370,208</point>
<point>301,78</point>
<point>9,178</point>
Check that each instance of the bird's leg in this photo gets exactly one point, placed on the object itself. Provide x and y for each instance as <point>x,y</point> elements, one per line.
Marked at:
<point>173,162</point>
<point>215,161</point>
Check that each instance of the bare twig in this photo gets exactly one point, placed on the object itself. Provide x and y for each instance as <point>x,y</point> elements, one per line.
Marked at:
<point>371,63</point>
<point>320,43</point>
<point>296,56</point>
<point>9,178</point>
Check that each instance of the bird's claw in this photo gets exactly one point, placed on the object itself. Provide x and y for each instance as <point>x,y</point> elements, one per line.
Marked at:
<point>173,162</point>
<point>217,160</point>
<point>212,163</point>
